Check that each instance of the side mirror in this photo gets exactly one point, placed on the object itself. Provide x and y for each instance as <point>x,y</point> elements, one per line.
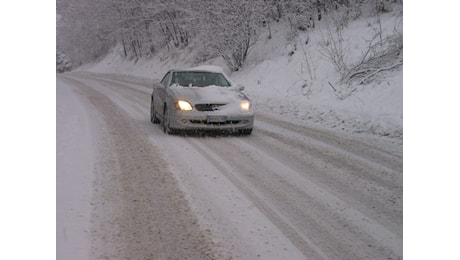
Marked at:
<point>157,84</point>
<point>240,87</point>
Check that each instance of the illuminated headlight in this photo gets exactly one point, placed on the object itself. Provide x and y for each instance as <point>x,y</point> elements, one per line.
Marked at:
<point>183,105</point>
<point>245,105</point>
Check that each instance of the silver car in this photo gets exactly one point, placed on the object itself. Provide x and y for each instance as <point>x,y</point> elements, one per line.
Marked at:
<point>200,99</point>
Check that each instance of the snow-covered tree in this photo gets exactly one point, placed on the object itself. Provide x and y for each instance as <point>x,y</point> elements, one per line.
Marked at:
<point>85,30</point>
<point>231,27</point>
<point>88,29</point>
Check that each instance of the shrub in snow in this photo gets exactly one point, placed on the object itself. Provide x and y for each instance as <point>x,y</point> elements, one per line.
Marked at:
<point>382,53</point>
<point>62,63</point>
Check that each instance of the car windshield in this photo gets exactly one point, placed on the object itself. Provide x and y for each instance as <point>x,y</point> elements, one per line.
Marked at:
<point>199,79</point>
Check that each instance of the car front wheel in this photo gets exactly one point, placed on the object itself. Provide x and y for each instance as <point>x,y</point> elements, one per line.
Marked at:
<point>153,117</point>
<point>166,120</point>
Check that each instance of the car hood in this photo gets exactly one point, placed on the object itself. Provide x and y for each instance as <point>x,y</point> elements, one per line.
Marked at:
<point>208,95</point>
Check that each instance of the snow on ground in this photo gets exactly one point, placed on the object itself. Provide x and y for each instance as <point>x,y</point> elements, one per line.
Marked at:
<point>303,85</point>
<point>251,199</point>
<point>74,165</point>
<point>78,185</point>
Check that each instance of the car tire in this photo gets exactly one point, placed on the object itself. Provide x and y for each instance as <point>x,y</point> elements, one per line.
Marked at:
<point>153,117</point>
<point>166,119</point>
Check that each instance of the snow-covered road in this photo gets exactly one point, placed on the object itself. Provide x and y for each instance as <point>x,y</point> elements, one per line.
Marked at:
<point>288,191</point>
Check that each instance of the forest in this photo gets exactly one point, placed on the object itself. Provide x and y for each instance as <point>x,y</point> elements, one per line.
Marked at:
<point>86,30</point>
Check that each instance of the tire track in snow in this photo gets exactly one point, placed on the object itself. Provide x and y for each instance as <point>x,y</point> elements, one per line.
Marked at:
<point>371,179</point>
<point>304,244</point>
<point>318,223</point>
<point>332,203</point>
<point>379,155</point>
<point>333,197</point>
<point>371,198</point>
<point>139,211</point>
<point>121,92</point>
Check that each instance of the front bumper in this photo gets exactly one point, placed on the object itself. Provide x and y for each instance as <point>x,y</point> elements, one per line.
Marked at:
<point>194,120</point>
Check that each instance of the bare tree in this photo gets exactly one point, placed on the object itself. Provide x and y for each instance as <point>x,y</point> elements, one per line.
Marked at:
<point>383,53</point>
<point>231,28</point>
<point>88,29</point>
<point>85,30</point>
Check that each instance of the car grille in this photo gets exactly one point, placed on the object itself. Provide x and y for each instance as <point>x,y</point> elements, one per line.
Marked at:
<point>208,107</point>
<point>228,122</point>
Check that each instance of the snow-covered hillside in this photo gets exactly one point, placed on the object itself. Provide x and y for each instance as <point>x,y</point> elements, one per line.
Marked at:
<point>295,79</point>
